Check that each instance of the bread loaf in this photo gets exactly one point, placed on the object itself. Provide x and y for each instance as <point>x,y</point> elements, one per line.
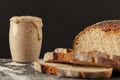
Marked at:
<point>103,36</point>
<point>67,70</point>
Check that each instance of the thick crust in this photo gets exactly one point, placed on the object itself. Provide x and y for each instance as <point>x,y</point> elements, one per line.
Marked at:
<point>86,59</point>
<point>66,70</point>
<point>109,25</point>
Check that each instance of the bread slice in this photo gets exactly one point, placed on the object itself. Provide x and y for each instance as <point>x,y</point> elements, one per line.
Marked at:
<point>67,70</point>
<point>103,36</point>
<point>93,58</point>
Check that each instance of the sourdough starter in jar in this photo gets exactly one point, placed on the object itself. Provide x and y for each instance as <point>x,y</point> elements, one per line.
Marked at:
<point>25,38</point>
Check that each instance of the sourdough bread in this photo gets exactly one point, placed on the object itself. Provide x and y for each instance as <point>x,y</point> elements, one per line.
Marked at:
<point>93,58</point>
<point>103,36</point>
<point>67,70</point>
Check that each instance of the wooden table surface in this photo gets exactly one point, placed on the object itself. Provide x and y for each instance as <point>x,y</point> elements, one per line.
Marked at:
<point>18,71</point>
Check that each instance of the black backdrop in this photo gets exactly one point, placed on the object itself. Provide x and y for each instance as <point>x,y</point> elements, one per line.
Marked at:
<point>63,19</point>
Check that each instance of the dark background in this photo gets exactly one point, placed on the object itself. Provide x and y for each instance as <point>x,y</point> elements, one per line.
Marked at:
<point>63,19</point>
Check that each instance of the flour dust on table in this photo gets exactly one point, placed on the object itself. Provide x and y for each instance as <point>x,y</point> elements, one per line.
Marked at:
<point>15,71</point>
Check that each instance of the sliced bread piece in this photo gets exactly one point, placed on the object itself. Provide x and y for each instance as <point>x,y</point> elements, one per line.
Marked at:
<point>103,36</point>
<point>93,58</point>
<point>67,70</point>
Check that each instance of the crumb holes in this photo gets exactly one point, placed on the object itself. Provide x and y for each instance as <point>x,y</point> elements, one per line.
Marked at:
<point>76,43</point>
<point>51,69</point>
<point>30,31</point>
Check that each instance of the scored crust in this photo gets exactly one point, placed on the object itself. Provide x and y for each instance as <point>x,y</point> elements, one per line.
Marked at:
<point>67,70</point>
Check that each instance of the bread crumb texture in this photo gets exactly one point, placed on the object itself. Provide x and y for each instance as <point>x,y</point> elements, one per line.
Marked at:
<point>103,36</point>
